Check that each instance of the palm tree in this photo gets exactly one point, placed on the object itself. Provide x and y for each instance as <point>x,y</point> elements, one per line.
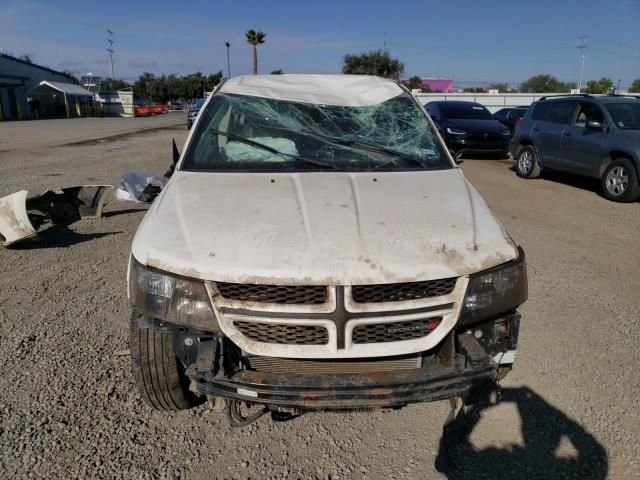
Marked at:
<point>255,38</point>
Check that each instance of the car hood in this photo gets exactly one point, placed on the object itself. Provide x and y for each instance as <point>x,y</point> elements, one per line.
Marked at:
<point>477,126</point>
<point>321,228</point>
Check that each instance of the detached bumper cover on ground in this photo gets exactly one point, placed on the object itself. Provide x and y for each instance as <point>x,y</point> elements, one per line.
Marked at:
<point>21,217</point>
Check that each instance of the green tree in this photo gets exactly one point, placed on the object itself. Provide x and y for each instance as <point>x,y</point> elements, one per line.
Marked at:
<point>474,90</point>
<point>213,80</point>
<point>501,87</point>
<point>604,85</point>
<point>635,86</point>
<point>545,84</point>
<point>141,86</point>
<point>377,62</point>
<point>168,87</point>
<point>255,38</point>
<point>415,83</point>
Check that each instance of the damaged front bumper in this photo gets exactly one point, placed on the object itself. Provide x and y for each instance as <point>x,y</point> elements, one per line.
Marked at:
<point>346,391</point>
<point>467,362</point>
<point>21,217</point>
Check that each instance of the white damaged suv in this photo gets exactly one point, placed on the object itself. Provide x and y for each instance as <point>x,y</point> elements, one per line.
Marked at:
<point>317,248</point>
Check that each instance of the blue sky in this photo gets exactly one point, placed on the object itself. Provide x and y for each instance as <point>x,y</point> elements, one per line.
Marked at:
<point>470,41</point>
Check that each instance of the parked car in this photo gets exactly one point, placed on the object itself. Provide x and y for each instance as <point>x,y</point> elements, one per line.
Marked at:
<point>192,114</point>
<point>510,116</point>
<point>594,136</point>
<point>470,127</point>
<point>317,248</point>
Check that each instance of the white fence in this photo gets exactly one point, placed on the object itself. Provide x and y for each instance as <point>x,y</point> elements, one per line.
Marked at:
<point>493,102</point>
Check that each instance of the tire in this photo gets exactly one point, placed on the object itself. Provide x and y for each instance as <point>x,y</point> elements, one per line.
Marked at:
<point>527,165</point>
<point>158,373</point>
<point>620,181</point>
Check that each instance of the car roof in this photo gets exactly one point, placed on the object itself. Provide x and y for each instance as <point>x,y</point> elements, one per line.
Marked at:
<point>595,98</point>
<point>617,99</point>
<point>343,90</point>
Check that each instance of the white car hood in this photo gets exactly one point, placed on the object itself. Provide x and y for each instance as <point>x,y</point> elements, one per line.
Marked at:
<point>321,228</point>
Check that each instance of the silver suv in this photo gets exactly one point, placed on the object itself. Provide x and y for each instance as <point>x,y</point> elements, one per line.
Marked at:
<point>595,136</point>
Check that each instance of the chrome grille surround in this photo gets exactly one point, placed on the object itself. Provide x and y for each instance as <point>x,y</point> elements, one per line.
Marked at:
<point>339,315</point>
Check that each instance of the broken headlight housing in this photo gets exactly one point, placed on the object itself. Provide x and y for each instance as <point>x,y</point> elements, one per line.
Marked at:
<point>172,298</point>
<point>495,292</point>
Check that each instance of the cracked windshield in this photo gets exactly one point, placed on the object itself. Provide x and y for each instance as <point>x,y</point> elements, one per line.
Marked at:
<point>239,132</point>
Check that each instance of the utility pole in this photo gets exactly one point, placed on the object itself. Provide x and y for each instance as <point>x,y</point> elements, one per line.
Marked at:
<point>581,47</point>
<point>228,61</point>
<point>618,88</point>
<point>110,52</point>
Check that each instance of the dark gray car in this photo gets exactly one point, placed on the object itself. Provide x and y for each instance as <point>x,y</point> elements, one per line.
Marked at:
<point>595,136</point>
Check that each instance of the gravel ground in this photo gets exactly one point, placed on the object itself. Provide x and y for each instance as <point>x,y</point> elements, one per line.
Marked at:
<point>69,408</point>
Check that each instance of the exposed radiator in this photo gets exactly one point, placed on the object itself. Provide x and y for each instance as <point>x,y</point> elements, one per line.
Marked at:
<point>362,365</point>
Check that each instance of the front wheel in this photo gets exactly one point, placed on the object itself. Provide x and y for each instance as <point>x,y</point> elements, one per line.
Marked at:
<point>158,373</point>
<point>527,165</point>
<point>620,181</point>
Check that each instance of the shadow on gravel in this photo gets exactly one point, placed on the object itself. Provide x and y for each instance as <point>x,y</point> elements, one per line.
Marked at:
<point>58,236</point>
<point>543,429</point>
<point>577,181</point>
<point>115,213</point>
<point>571,180</point>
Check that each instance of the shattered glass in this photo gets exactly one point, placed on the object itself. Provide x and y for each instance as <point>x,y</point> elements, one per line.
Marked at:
<point>392,135</point>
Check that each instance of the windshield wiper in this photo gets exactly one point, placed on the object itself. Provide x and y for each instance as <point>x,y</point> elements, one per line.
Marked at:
<point>357,144</point>
<point>275,151</point>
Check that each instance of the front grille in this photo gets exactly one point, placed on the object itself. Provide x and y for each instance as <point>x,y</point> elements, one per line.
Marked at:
<point>398,292</point>
<point>283,294</point>
<point>284,334</point>
<point>361,365</point>
<point>394,332</point>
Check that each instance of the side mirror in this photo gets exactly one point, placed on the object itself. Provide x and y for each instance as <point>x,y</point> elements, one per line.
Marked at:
<point>176,157</point>
<point>592,125</point>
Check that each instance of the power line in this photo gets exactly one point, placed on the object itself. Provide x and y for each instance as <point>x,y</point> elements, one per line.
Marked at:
<point>581,47</point>
<point>611,52</point>
<point>110,52</point>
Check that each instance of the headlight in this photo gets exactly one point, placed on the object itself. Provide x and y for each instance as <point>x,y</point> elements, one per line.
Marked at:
<point>496,291</point>
<point>455,131</point>
<point>168,297</point>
